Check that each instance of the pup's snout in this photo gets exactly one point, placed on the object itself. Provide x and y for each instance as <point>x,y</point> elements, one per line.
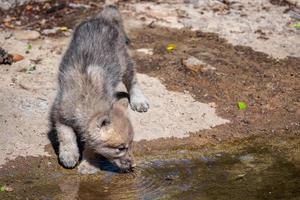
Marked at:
<point>125,165</point>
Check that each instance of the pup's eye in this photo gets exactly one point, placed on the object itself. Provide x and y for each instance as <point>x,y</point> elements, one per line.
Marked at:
<point>122,148</point>
<point>105,122</point>
<point>102,123</point>
<point>127,40</point>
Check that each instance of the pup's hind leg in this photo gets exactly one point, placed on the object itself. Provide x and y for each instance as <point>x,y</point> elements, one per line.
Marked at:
<point>138,101</point>
<point>68,148</point>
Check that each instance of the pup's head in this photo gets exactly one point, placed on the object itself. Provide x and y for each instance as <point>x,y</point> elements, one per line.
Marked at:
<point>111,136</point>
<point>112,14</point>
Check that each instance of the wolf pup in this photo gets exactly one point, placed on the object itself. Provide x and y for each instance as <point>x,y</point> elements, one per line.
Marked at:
<point>95,62</point>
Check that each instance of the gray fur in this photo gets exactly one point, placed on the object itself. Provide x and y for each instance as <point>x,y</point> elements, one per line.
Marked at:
<point>95,62</point>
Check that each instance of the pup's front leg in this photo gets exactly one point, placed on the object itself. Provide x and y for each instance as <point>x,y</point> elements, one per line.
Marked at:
<point>138,101</point>
<point>68,148</point>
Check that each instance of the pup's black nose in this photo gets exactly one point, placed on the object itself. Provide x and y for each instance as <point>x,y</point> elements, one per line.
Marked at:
<point>126,165</point>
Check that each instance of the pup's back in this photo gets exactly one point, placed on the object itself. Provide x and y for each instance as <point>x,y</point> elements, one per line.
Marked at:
<point>90,69</point>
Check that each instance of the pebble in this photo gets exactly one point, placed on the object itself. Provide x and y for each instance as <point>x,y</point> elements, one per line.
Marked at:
<point>50,31</point>
<point>27,35</point>
<point>6,188</point>
<point>171,177</point>
<point>197,65</point>
<point>145,51</point>
<point>212,105</point>
<point>246,158</point>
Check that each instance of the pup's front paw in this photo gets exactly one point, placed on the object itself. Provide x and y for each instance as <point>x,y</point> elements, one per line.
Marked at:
<point>68,159</point>
<point>86,168</point>
<point>139,102</point>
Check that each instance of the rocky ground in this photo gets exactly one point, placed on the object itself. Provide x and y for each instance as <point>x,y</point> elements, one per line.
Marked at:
<point>225,52</point>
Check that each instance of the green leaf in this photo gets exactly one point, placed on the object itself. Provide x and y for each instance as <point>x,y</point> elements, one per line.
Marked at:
<point>242,105</point>
<point>296,25</point>
<point>2,189</point>
<point>29,46</point>
<point>31,69</point>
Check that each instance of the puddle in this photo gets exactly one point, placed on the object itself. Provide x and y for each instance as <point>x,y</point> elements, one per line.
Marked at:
<point>248,169</point>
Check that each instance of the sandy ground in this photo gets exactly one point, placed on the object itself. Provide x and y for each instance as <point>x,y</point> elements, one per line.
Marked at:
<point>257,24</point>
<point>27,96</point>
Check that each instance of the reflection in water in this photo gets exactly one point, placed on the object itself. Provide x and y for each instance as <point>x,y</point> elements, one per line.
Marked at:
<point>69,187</point>
<point>253,171</point>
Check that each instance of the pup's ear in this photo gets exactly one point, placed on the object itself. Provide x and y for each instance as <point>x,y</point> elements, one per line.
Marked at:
<point>121,101</point>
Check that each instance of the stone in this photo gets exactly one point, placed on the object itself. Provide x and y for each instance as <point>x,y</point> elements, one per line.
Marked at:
<point>7,4</point>
<point>196,65</point>
<point>296,3</point>
<point>17,57</point>
<point>27,35</point>
<point>212,104</point>
<point>247,159</point>
<point>50,31</point>
<point>218,6</point>
<point>145,51</point>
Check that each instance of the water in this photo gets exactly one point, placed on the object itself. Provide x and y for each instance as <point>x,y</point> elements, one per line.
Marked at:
<point>255,170</point>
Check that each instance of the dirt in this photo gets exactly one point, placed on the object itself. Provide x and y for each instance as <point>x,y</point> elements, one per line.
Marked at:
<point>261,24</point>
<point>268,86</point>
<point>48,14</point>
<point>281,2</point>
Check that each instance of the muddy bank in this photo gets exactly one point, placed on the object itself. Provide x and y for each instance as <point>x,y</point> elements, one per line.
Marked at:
<point>269,86</point>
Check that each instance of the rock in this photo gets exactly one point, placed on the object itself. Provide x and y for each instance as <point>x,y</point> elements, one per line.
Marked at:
<point>7,4</point>
<point>6,188</point>
<point>171,177</point>
<point>247,159</point>
<point>50,31</point>
<point>217,6</point>
<point>66,31</point>
<point>212,104</point>
<point>79,5</point>
<point>5,57</point>
<point>18,23</point>
<point>197,65</point>
<point>296,3</point>
<point>17,57</point>
<point>27,35</point>
<point>145,51</point>
<point>159,14</point>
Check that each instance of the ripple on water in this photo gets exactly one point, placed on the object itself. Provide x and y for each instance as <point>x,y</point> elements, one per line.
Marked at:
<point>212,177</point>
<point>254,172</point>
